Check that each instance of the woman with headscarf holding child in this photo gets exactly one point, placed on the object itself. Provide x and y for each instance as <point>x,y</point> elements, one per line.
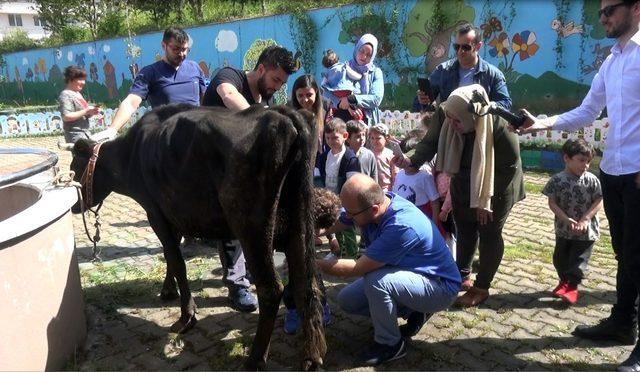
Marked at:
<point>483,158</point>
<point>366,79</point>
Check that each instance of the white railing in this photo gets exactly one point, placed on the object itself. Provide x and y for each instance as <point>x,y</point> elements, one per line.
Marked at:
<point>399,122</point>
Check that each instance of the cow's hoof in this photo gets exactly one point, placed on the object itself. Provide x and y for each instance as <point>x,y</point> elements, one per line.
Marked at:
<point>169,295</point>
<point>182,326</point>
<point>311,365</point>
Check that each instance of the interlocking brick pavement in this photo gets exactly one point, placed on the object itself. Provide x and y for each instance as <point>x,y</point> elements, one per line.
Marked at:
<point>520,327</point>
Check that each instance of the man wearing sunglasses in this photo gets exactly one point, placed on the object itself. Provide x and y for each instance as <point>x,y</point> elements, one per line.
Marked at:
<point>173,79</point>
<point>407,270</point>
<point>466,69</point>
<point>616,86</point>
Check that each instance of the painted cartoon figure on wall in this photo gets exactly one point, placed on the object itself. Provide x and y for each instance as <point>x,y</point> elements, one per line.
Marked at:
<point>429,28</point>
<point>80,60</point>
<point>600,54</point>
<point>110,79</point>
<point>42,68</point>
<point>13,127</point>
<point>93,71</point>
<point>204,66</point>
<point>18,80</point>
<point>56,123</point>
<point>566,30</point>
<point>55,75</point>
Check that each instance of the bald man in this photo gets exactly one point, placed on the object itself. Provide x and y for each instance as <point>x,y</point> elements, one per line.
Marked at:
<point>407,270</point>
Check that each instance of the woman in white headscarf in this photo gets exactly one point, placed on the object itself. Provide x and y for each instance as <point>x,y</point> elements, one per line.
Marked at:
<point>483,158</point>
<point>369,89</point>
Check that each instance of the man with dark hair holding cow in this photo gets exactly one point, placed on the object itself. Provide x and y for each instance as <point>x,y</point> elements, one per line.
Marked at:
<point>236,90</point>
<point>173,79</point>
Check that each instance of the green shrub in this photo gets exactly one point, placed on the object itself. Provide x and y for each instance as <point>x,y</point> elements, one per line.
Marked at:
<point>74,34</point>
<point>15,41</point>
<point>112,24</point>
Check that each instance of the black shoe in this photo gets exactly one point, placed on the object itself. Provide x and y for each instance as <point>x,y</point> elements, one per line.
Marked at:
<point>632,364</point>
<point>609,330</point>
<point>415,321</point>
<point>380,353</point>
<point>243,300</point>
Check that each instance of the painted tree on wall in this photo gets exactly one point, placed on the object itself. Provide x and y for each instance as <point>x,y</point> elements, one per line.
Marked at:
<point>429,28</point>
<point>591,18</point>
<point>372,21</point>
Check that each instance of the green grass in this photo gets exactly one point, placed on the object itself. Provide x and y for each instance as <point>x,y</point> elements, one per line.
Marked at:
<point>527,250</point>
<point>114,284</point>
<point>533,188</point>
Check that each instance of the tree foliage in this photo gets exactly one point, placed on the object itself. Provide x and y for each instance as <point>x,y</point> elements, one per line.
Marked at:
<point>16,40</point>
<point>105,19</point>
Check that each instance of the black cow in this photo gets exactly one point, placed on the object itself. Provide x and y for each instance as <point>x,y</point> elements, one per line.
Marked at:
<point>210,173</point>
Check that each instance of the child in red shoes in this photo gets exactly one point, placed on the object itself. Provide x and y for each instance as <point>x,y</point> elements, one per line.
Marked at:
<point>575,197</point>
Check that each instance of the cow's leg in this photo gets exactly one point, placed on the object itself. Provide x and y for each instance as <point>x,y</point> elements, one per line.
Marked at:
<point>169,290</point>
<point>259,258</point>
<point>306,294</point>
<point>176,265</point>
<point>176,269</point>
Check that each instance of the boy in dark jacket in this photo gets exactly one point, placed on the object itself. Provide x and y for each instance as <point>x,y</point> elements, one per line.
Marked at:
<point>336,165</point>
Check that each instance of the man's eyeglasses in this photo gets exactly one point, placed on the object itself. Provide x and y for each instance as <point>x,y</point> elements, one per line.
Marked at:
<point>464,47</point>
<point>359,212</point>
<point>608,11</point>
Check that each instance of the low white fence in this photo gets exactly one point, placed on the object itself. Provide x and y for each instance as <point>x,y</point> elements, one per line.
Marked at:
<point>399,122</point>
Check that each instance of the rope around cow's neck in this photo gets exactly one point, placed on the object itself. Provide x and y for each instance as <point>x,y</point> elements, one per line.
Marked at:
<point>65,180</point>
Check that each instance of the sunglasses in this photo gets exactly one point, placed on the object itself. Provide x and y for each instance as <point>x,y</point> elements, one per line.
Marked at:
<point>608,11</point>
<point>465,47</point>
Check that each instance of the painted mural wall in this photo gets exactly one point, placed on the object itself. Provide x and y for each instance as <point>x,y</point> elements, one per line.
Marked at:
<point>549,50</point>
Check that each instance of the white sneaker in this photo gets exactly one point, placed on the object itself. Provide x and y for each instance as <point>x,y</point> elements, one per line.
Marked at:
<point>330,256</point>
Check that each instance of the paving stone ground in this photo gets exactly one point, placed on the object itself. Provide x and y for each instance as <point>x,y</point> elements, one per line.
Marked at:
<point>520,327</point>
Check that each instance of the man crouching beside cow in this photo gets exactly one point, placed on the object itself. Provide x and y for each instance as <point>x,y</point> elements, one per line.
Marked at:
<point>407,270</point>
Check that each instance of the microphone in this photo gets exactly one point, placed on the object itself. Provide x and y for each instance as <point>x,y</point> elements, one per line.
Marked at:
<point>516,120</point>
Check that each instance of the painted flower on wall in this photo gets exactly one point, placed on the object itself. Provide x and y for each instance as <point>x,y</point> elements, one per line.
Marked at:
<point>500,45</point>
<point>524,44</point>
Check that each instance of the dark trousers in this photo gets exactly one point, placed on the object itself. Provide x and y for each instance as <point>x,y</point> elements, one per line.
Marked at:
<point>487,238</point>
<point>621,198</point>
<point>570,258</point>
<point>234,274</point>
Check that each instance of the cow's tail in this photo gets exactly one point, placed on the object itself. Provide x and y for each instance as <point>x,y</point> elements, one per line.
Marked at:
<point>298,191</point>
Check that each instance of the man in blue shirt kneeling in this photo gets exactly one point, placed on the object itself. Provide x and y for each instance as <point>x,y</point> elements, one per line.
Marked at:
<point>407,270</point>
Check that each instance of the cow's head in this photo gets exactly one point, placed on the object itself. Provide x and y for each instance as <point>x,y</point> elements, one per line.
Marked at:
<point>82,152</point>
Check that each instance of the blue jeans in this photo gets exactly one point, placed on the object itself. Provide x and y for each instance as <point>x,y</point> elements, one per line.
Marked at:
<point>387,293</point>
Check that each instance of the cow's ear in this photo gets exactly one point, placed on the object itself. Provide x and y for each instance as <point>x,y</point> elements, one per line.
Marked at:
<point>83,147</point>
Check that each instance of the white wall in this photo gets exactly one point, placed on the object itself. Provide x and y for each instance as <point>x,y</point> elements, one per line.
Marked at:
<point>27,11</point>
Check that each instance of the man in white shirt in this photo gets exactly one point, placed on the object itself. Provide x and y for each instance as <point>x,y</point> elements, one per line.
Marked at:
<point>616,86</point>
